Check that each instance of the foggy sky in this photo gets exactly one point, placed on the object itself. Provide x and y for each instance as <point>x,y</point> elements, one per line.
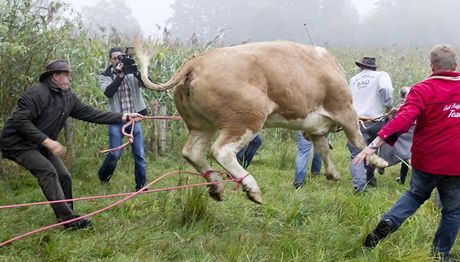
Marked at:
<point>155,12</point>
<point>148,13</point>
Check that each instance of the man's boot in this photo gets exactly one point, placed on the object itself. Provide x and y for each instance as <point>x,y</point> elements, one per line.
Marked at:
<point>383,229</point>
<point>79,224</point>
<point>370,178</point>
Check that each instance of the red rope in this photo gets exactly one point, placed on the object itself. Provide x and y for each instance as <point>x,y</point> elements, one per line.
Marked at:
<point>207,174</point>
<point>238,181</point>
<point>127,197</point>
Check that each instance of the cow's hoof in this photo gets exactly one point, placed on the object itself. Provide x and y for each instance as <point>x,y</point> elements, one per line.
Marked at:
<point>377,161</point>
<point>216,196</point>
<point>252,189</point>
<point>216,191</point>
<point>335,177</point>
<point>255,197</point>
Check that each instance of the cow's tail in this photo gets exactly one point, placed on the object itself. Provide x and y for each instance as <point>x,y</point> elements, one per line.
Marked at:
<point>144,61</point>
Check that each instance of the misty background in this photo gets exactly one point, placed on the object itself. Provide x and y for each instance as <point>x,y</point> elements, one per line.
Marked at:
<point>330,22</point>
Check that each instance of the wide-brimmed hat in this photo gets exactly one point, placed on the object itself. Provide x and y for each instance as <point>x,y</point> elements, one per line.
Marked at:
<point>367,62</point>
<point>53,67</point>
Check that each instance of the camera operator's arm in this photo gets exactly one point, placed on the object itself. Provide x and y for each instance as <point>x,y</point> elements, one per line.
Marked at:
<point>109,86</point>
<point>111,89</point>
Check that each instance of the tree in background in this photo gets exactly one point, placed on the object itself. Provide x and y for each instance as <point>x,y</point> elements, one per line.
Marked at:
<point>338,23</point>
<point>331,21</point>
<point>414,22</point>
<point>35,32</point>
<point>110,20</point>
<point>28,34</point>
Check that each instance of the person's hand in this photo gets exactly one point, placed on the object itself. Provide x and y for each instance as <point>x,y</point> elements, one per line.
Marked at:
<point>54,147</point>
<point>119,70</point>
<point>365,154</point>
<point>133,116</point>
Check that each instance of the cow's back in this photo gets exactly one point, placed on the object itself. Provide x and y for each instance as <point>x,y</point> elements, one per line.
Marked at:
<point>260,81</point>
<point>292,78</point>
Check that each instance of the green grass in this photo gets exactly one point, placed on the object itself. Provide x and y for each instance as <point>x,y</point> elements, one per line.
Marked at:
<point>323,221</point>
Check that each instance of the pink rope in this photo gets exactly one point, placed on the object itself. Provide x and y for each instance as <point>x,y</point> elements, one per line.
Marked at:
<point>207,174</point>
<point>112,195</point>
<point>130,135</point>
<point>164,117</point>
<point>238,181</point>
<point>130,138</point>
<point>127,197</point>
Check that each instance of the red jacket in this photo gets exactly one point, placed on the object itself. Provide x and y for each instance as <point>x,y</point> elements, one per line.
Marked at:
<point>435,104</point>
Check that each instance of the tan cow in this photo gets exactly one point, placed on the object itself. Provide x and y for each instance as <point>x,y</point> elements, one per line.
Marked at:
<point>234,92</point>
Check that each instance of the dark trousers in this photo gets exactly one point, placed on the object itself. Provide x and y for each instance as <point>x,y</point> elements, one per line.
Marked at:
<point>52,176</point>
<point>245,155</point>
<point>421,186</point>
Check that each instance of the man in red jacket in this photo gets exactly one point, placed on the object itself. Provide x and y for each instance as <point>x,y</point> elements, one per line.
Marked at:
<point>435,104</point>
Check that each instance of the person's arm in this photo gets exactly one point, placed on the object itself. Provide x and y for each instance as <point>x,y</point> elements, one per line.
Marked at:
<point>386,92</point>
<point>30,106</point>
<point>110,86</point>
<point>87,113</point>
<point>404,119</point>
<point>399,125</point>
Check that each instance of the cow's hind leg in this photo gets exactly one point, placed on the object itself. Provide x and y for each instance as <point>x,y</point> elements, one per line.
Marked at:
<point>194,152</point>
<point>322,146</point>
<point>224,150</point>
<point>349,121</point>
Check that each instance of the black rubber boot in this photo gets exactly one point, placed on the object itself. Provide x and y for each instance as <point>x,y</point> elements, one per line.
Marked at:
<point>79,224</point>
<point>383,229</point>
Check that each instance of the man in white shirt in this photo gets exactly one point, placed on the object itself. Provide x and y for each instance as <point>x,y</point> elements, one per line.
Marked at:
<point>372,98</point>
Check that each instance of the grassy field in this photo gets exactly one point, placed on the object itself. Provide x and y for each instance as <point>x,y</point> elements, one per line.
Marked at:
<point>323,221</point>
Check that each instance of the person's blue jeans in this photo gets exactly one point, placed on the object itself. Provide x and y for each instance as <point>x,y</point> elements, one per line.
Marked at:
<point>421,186</point>
<point>303,152</point>
<point>360,174</point>
<point>246,154</point>
<point>137,149</point>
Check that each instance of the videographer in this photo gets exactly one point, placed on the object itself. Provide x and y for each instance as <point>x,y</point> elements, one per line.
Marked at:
<point>121,83</point>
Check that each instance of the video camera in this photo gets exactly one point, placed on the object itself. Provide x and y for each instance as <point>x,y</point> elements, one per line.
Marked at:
<point>129,64</point>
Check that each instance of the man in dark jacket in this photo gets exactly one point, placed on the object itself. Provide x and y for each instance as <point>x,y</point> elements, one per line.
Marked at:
<point>30,133</point>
